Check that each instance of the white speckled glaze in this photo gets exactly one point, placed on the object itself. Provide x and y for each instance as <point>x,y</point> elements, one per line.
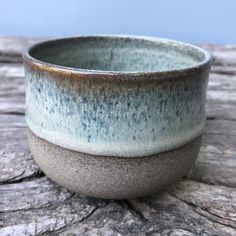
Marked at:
<point>116,111</point>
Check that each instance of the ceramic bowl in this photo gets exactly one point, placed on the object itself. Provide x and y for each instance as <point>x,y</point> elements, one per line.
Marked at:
<point>115,116</point>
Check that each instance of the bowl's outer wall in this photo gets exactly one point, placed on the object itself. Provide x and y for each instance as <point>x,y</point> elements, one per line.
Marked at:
<point>116,118</point>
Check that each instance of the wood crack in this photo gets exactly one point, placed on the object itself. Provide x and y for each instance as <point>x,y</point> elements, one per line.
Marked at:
<point>208,183</point>
<point>211,216</point>
<point>74,224</point>
<point>18,113</point>
<point>133,209</point>
<point>38,175</point>
<point>220,118</point>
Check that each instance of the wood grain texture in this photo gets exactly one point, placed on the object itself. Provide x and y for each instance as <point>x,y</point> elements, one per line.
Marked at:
<point>11,48</point>
<point>203,203</point>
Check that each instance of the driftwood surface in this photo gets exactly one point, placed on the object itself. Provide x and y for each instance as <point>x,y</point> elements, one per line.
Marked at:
<point>203,203</point>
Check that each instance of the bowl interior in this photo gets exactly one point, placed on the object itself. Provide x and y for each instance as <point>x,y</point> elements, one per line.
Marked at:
<point>125,54</point>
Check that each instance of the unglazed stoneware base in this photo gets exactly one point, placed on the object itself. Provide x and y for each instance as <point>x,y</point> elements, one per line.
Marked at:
<point>112,177</point>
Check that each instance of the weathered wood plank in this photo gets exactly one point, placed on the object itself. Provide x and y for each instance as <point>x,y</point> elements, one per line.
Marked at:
<point>12,88</point>
<point>202,204</point>
<point>224,70</point>
<point>16,162</point>
<point>220,110</point>
<point>223,55</point>
<point>215,202</point>
<point>11,70</point>
<point>39,206</point>
<point>221,82</point>
<point>190,208</point>
<point>216,162</point>
<point>11,47</point>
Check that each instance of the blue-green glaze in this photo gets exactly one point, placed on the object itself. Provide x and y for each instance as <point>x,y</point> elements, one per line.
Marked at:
<point>121,113</point>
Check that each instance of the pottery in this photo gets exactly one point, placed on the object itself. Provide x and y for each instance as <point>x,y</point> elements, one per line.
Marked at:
<point>115,116</point>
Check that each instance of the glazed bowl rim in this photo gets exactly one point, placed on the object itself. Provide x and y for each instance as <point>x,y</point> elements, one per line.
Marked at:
<point>65,70</point>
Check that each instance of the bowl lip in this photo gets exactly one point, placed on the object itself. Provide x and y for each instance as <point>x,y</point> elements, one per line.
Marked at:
<point>73,71</point>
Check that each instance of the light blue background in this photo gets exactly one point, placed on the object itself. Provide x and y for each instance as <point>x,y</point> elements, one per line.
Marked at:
<point>197,21</point>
